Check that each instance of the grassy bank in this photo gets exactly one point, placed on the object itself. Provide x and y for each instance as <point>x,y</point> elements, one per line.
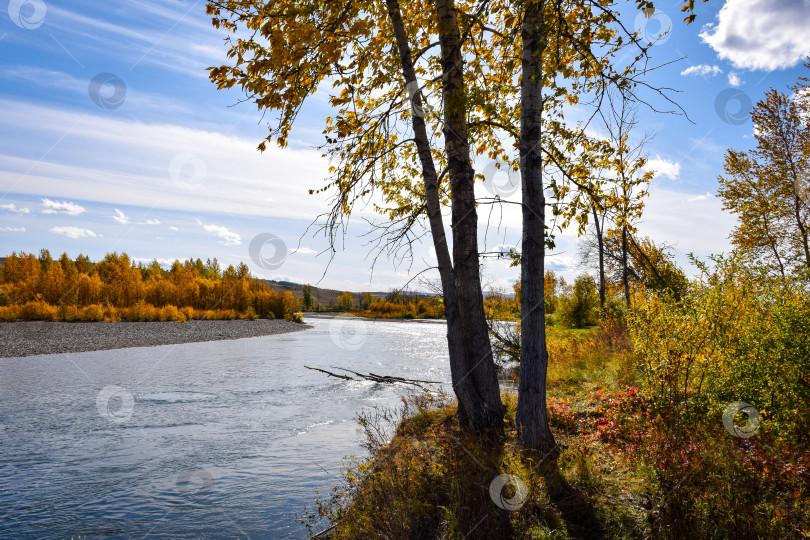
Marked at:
<point>626,467</point>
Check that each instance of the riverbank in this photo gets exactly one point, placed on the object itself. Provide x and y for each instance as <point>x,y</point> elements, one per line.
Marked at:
<point>626,466</point>
<point>28,338</point>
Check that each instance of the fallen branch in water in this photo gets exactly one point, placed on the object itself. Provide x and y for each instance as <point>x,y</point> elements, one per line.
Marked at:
<point>332,374</point>
<point>388,379</point>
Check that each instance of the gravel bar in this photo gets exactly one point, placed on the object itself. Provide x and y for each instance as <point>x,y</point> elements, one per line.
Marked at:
<point>27,338</point>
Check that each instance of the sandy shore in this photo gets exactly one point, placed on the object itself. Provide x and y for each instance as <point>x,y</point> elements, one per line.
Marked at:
<point>27,338</point>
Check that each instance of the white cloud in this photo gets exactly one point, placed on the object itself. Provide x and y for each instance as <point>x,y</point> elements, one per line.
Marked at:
<point>761,34</point>
<point>229,238</point>
<point>150,222</point>
<point>120,217</point>
<point>695,222</point>
<point>132,161</point>
<point>663,167</point>
<point>734,79</point>
<point>11,207</point>
<point>700,197</point>
<point>166,263</point>
<point>61,207</point>
<point>702,70</point>
<point>12,229</point>
<point>174,228</point>
<point>74,232</point>
<point>305,251</point>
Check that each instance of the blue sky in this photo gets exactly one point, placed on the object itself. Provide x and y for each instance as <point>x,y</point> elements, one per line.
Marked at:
<point>113,139</point>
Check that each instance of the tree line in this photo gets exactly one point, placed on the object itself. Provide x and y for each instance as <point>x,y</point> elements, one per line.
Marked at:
<point>117,288</point>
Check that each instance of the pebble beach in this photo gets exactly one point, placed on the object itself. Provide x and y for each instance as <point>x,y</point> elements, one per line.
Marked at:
<point>28,338</point>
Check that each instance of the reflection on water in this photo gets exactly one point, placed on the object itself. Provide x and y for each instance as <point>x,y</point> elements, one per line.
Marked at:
<point>201,439</point>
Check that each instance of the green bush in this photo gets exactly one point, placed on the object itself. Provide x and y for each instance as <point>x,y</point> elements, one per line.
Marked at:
<point>736,335</point>
<point>580,308</point>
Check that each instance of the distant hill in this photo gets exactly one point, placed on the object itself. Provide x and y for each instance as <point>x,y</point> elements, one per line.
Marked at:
<point>321,297</point>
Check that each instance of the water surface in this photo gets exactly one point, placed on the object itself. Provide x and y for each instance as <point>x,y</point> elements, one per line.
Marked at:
<point>202,439</point>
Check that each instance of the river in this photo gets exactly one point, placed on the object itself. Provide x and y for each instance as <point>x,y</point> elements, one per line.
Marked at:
<point>222,438</point>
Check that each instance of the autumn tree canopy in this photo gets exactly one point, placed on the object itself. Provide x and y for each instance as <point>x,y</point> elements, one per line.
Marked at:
<point>768,188</point>
<point>117,287</point>
<point>502,72</point>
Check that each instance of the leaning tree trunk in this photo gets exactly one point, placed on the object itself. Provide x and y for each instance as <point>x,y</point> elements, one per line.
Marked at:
<point>480,367</point>
<point>472,368</point>
<point>532,419</point>
<point>464,389</point>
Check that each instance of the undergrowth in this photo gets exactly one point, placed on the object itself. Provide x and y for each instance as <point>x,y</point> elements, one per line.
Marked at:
<point>626,468</point>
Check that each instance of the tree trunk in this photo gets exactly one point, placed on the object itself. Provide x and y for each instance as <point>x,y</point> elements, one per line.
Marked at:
<point>472,368</point>
<point>625,276</point>
<point>601,244</point>
<point>533,430</point>
<point>797,205</point>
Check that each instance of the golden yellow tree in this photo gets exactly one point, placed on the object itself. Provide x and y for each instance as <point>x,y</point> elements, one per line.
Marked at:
<point>768,187</point>
<point>502,73</point>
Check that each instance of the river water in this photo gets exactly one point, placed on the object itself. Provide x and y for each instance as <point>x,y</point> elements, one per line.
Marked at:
<point>223,438</point>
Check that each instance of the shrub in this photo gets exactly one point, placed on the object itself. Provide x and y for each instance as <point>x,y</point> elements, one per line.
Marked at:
<point>92,313</point>
<point>112,314</point>
<point>738,335</point>
<point>581,308</point>
<point>68,313</point>
<point>171,313</point>
<point>38,311</point>
<point>9,313</point>
<point>144,312</point>
<point>615,311</point>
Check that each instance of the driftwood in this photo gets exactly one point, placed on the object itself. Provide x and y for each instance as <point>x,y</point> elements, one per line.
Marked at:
<point>388,379</point>
<point>331,374</point>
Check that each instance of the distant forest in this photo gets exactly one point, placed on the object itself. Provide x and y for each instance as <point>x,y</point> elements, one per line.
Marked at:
<point>116,288</point>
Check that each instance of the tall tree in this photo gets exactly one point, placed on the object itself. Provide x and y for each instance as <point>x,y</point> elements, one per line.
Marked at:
<point>767,187</point>
<point>531,416</point>
<point>307,299</point>
<point>631,183</point>
<point>563,42</point>
<point>367,50</point>
<point>384,140</point>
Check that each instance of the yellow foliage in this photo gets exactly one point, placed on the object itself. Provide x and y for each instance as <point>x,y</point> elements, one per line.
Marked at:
<point>92,313</point>
<point>43,289</point>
